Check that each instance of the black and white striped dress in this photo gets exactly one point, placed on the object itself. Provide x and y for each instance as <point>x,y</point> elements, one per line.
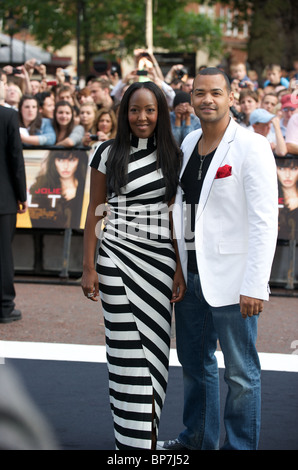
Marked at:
<point>136,265</point>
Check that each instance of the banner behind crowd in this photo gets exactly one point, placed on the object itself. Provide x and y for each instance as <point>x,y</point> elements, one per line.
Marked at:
<point>287,173</point>
<point>58,190</point>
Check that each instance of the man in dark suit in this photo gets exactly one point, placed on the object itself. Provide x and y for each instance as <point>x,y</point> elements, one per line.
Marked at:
<point>13,199</point>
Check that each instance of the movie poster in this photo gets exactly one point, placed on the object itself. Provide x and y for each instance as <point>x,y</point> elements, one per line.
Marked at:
<point>58,188</point>
<point>287,173</point>
<point>58,183</point>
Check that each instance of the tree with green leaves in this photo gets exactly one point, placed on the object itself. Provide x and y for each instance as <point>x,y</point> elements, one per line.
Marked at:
<point>107,25</point>
<point>273,32</point>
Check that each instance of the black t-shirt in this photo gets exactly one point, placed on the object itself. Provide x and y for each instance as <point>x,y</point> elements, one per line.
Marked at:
<point>192,187</point>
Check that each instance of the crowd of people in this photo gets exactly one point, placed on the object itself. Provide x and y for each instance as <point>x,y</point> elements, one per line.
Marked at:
<point>55,111</point>
<point>266,107</point>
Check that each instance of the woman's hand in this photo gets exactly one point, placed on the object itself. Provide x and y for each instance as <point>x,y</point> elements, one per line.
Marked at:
<point>102,136</point>
<point>86,139</point>
<point>179,286</point>
<point>90,284</point>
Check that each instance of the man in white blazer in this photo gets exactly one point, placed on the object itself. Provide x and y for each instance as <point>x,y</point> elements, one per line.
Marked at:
<point>226,219</point>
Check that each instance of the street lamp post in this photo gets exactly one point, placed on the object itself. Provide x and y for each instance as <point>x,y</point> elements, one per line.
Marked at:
<point>79,6</point>
<point>24,30</point>
<point>149,26</point>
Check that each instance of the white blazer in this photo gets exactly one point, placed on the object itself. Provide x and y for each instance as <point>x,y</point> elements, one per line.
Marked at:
<point>237,218</point>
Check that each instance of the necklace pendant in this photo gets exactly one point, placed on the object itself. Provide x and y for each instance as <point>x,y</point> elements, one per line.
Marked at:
<point>202,158</point>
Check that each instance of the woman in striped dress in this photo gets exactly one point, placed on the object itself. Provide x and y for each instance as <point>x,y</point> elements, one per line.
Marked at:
<point>137,273</point>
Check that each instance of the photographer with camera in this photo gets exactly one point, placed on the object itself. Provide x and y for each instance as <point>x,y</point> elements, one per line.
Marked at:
<point>146,69</point>
<point>176,72</point>
<point>22,76</point>
<point>114,74</point>
<point>240,79</point>
<point>178,78</point>
<point>19,77</point>
<point>40,84</point>
<point>105,128</point>
<point>183,120</point>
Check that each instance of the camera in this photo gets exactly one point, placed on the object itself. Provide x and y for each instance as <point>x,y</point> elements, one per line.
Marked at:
<point>93,137</point>
<point>242,85</point>
<point>16,71</point>
<point>239,116</point>
<point>66,75</point>
<point>180,73</point>
<point>142,72</point>
<point>113,70</point>
<point>38,62</point>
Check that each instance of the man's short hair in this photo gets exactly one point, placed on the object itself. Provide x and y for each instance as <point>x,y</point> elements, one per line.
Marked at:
<point>42,96</point>
<point>103,83</point>
<point>216,71</point>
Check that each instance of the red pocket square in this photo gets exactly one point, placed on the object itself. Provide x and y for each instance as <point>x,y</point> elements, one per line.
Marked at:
<point>223,172</point>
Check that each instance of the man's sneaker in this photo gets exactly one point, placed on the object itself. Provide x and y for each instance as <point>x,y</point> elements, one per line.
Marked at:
<point>173,444</point>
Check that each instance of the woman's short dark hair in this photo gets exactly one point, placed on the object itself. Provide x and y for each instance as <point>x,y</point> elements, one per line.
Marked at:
<point>168,152</point>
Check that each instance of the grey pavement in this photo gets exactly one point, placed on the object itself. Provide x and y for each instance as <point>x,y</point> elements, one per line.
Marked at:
<point>59,313</point>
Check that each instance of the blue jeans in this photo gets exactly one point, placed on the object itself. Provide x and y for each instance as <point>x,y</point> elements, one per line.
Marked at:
<point>198,327</point>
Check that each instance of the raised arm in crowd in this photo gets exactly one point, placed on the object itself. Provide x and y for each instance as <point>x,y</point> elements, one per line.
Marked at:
<point>61,113</point>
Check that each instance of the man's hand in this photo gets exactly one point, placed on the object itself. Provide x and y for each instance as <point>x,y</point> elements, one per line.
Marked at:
<point>250,306</point>
<point>22,207</point>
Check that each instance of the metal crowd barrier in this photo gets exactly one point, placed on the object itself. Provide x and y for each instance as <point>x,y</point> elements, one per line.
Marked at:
<point>58,251</point>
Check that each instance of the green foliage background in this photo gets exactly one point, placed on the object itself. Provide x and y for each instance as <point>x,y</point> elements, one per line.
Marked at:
<point>116,25</point>
<point>54,24</point>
